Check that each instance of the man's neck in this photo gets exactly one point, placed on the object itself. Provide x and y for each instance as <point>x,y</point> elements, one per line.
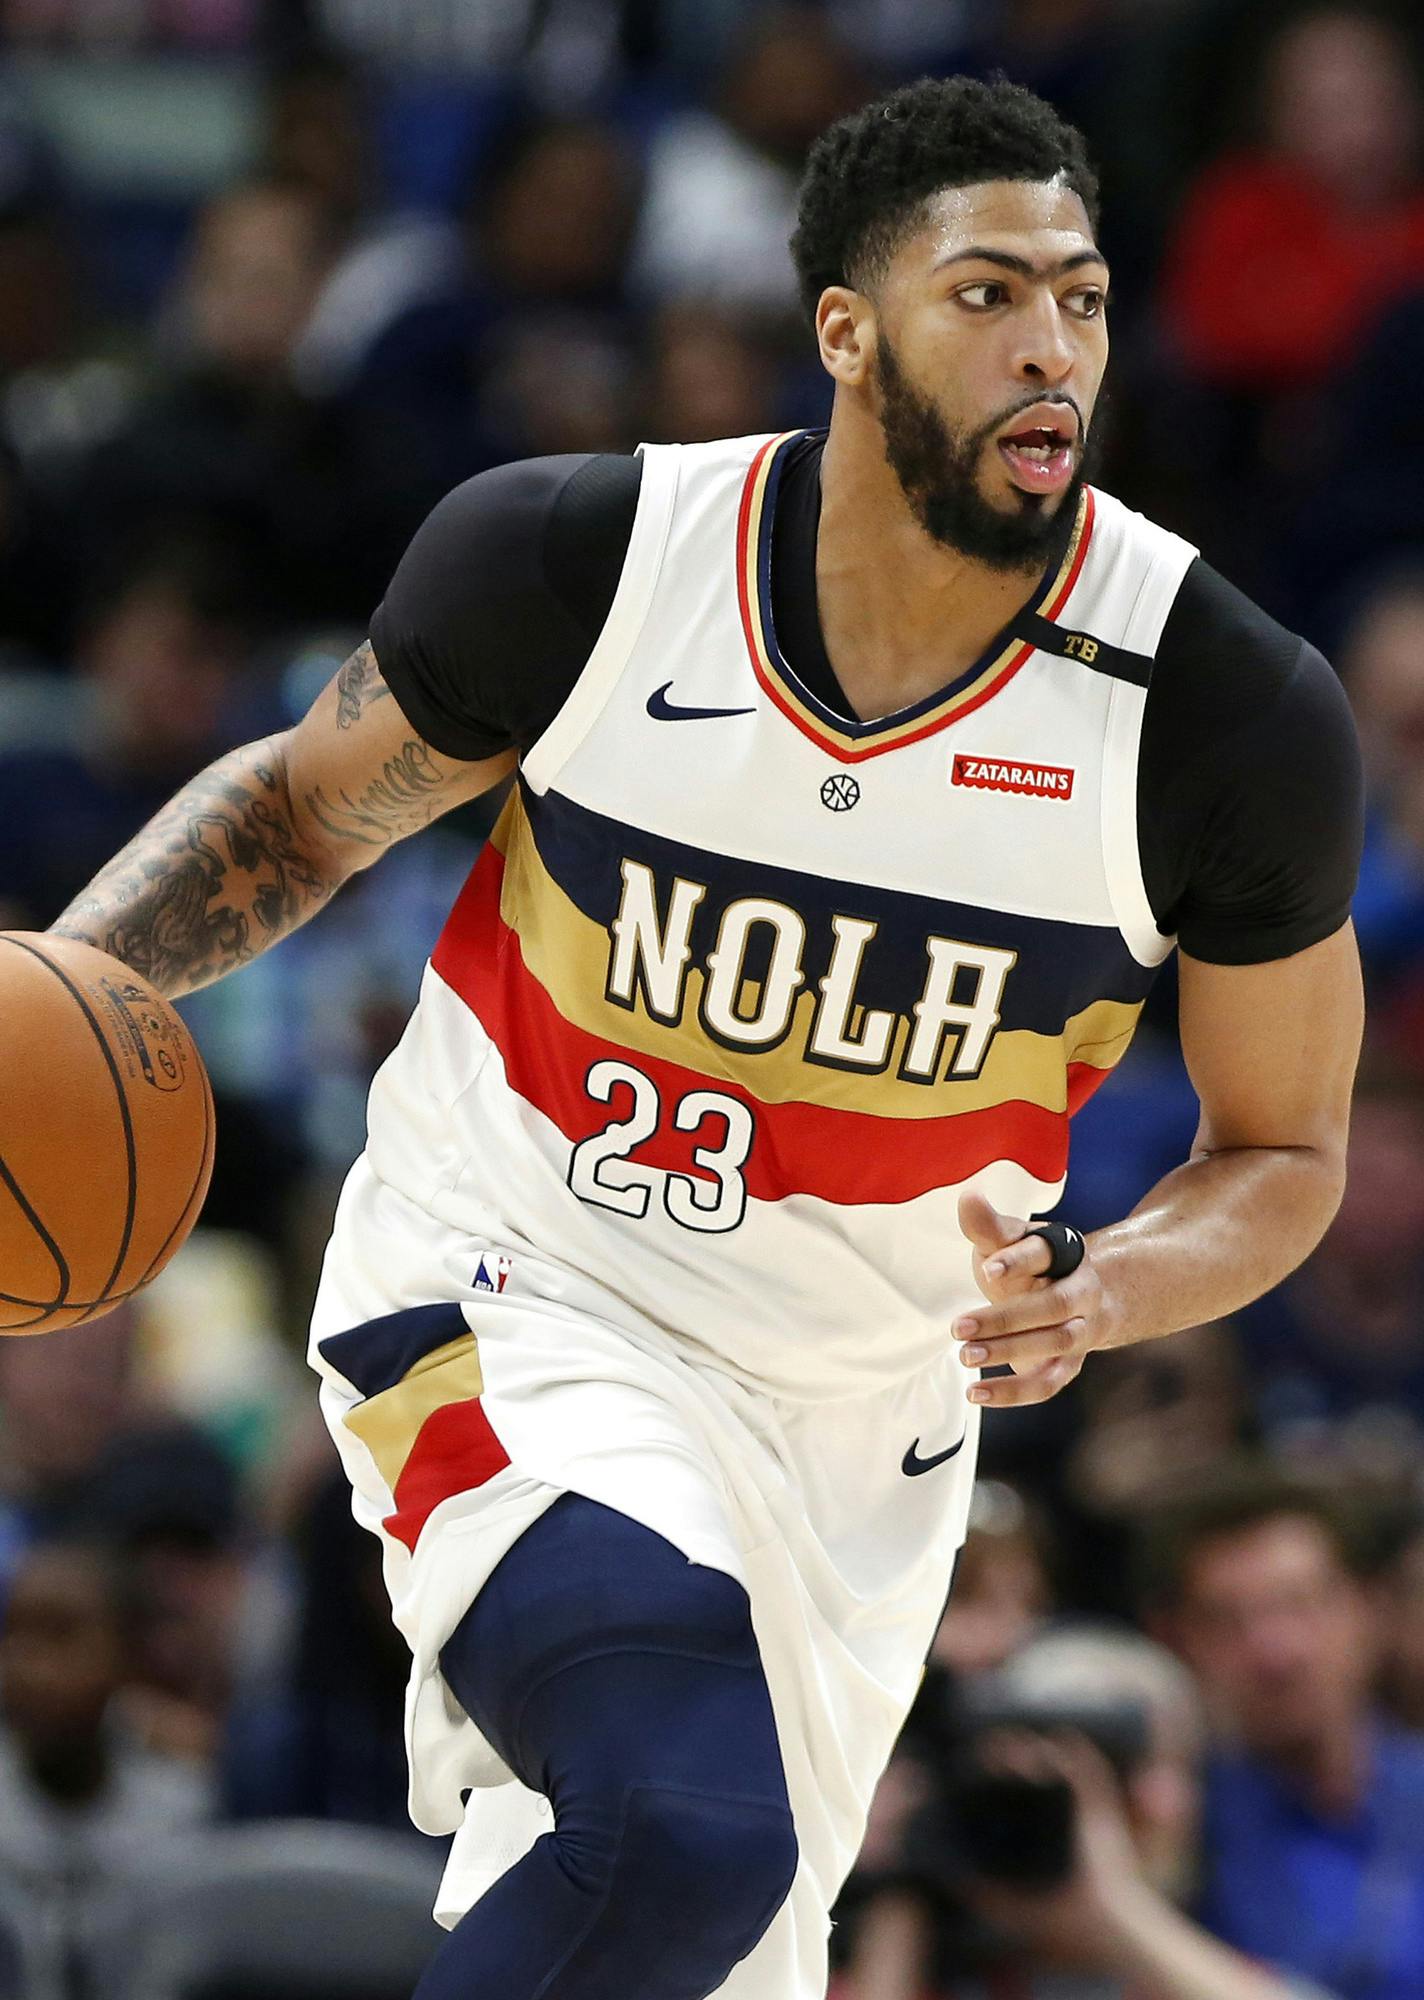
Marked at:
<point>1330,1773</point>
<point>900,614</point>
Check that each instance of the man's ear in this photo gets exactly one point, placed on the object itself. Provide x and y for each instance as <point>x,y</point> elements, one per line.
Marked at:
<point>846,333</point>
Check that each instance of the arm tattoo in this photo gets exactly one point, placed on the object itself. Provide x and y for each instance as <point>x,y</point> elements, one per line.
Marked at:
<point>357,685</point>
<point>394,804</point>
<point>210,882</point>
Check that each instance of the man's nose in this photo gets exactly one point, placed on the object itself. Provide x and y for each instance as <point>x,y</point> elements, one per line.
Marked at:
<point>1045,353</point>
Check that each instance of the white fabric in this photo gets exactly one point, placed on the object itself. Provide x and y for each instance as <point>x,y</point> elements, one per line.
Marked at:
<point>847,1562</point>
<point>748,1392</point>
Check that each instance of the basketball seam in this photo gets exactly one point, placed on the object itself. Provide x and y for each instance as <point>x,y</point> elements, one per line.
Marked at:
<point>87,1308</point>
<point>130,1150</point>
<point>204,1165</point>
<point>49,1242</point>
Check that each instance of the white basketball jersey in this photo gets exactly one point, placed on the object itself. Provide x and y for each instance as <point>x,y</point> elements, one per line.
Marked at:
<point>740,996</point>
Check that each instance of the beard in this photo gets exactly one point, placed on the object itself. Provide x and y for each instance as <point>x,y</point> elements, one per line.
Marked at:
<point>937,469</point>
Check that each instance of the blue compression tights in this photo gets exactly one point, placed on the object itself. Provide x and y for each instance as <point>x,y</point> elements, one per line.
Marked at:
<point>625,1683</point>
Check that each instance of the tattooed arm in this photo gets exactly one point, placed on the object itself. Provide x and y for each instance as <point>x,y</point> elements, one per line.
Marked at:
<point>261,839</point>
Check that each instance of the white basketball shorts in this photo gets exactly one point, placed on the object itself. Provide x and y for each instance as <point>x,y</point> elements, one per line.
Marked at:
<point>458,1427</point>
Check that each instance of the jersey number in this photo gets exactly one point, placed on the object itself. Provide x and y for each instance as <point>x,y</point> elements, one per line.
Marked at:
<point>601,1171</point>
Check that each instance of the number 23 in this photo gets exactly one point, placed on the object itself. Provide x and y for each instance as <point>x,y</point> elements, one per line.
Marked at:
<point>601,1172</point>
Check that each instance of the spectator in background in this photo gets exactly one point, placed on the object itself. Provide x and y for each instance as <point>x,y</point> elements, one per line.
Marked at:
<point>85,1810</point>
<point>1402,1620</point>
<point>1335,1355</point>
<point>1003,1589</point>
<point>1314,1837</point>
<point>1355,530</point>
<point>721,195</point>
<point>1382,665</point>
<point>560,388</point>
<point>321,113</point>
<point>474,377</point>
<point>226,434</point>
<point>64,1403</point>
<point>161,648</point>
<point>1157,1418</point>
<point>1286,252</point>
<point>1082,1900</point>
<point>324,1741</point>
<point>710,374</point>
<point>169,1503</point>
<point>58,393</point>
<point>87,1452</point>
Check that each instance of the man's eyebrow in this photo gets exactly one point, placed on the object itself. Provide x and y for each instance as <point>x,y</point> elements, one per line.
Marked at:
<point>978,254</point>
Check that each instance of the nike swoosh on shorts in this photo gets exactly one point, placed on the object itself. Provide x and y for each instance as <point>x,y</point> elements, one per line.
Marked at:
<point>910,1465</point>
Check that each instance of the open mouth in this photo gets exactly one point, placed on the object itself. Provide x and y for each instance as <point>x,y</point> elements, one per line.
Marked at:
<point>1040,456</point>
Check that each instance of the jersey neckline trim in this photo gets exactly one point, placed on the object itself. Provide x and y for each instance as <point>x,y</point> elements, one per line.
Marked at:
<point>853,742</point>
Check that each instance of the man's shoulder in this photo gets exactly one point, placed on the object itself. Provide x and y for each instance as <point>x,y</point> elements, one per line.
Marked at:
<point>1225,665</point>
<point>1211,613</point>
<point>526,529</point>
<point>1208,612</point>
<point>524,488</point>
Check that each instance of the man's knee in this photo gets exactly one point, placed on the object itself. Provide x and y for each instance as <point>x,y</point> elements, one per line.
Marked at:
<point>712,1870</point>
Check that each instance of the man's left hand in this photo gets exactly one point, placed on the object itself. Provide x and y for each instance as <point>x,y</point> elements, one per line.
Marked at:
<point>1043,1329</point>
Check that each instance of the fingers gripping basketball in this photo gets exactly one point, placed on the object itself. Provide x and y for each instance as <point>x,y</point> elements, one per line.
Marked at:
<point>106,1132</point>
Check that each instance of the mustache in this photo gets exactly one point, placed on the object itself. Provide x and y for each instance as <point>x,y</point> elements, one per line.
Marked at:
<point>987,430</point>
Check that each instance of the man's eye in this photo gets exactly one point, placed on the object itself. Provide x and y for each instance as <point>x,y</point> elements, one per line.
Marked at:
<point>1088,303</point>
<point>983,296</point>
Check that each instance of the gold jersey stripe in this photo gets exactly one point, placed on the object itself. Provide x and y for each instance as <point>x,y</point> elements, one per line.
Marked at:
<point>567,953</point>
<point>389,1424</point>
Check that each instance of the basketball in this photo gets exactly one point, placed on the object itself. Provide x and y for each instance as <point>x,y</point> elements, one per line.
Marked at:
<point>106,1132</point>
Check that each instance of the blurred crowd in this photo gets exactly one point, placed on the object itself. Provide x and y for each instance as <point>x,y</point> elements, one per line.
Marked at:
<point>275,276</point>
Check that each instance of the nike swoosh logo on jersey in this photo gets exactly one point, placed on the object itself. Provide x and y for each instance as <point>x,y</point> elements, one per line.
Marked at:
<point>910,1465</point>
<point>662,710</point>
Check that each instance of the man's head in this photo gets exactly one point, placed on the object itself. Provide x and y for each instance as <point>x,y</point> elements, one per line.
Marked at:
<point>1255,1585</point>
<point>258,259</point>
<point>64,1650</point>
<point>1101,1669</point>
<point>163,640</point>
<point>63,1401</point>
<point>946,252</point>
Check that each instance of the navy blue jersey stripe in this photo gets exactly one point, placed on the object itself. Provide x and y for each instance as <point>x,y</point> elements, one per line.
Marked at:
<point>382,1352</point>
<point>1062,967</point>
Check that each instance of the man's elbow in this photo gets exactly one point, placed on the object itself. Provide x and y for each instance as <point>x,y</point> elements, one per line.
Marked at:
<point>1318,1184</point>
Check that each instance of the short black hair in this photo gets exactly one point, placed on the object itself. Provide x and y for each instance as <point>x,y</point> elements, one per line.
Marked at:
<point>198,562</point>
<point>1240,1495</point>
<point>868,176</point>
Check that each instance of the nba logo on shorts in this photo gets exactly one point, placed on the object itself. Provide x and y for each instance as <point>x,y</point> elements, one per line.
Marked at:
<point>492,1273</point>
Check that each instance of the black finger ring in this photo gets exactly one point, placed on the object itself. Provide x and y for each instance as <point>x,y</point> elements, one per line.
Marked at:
<point>1065,1246</point>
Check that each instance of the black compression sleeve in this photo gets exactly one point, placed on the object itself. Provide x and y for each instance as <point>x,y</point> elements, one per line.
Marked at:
<point>1250,791</point>
<point>495,606</point>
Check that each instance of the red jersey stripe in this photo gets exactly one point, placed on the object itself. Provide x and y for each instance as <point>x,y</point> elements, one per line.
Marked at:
<point>455,1450</point>
<point>846,1157</point>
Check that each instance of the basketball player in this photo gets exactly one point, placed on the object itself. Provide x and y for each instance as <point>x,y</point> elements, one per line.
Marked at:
<point>864,782</point>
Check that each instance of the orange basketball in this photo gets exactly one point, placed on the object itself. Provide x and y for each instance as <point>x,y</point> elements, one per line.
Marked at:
<point>106,1132</point>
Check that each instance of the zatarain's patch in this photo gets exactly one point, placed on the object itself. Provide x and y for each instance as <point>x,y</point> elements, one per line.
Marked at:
<point>999,774</point>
